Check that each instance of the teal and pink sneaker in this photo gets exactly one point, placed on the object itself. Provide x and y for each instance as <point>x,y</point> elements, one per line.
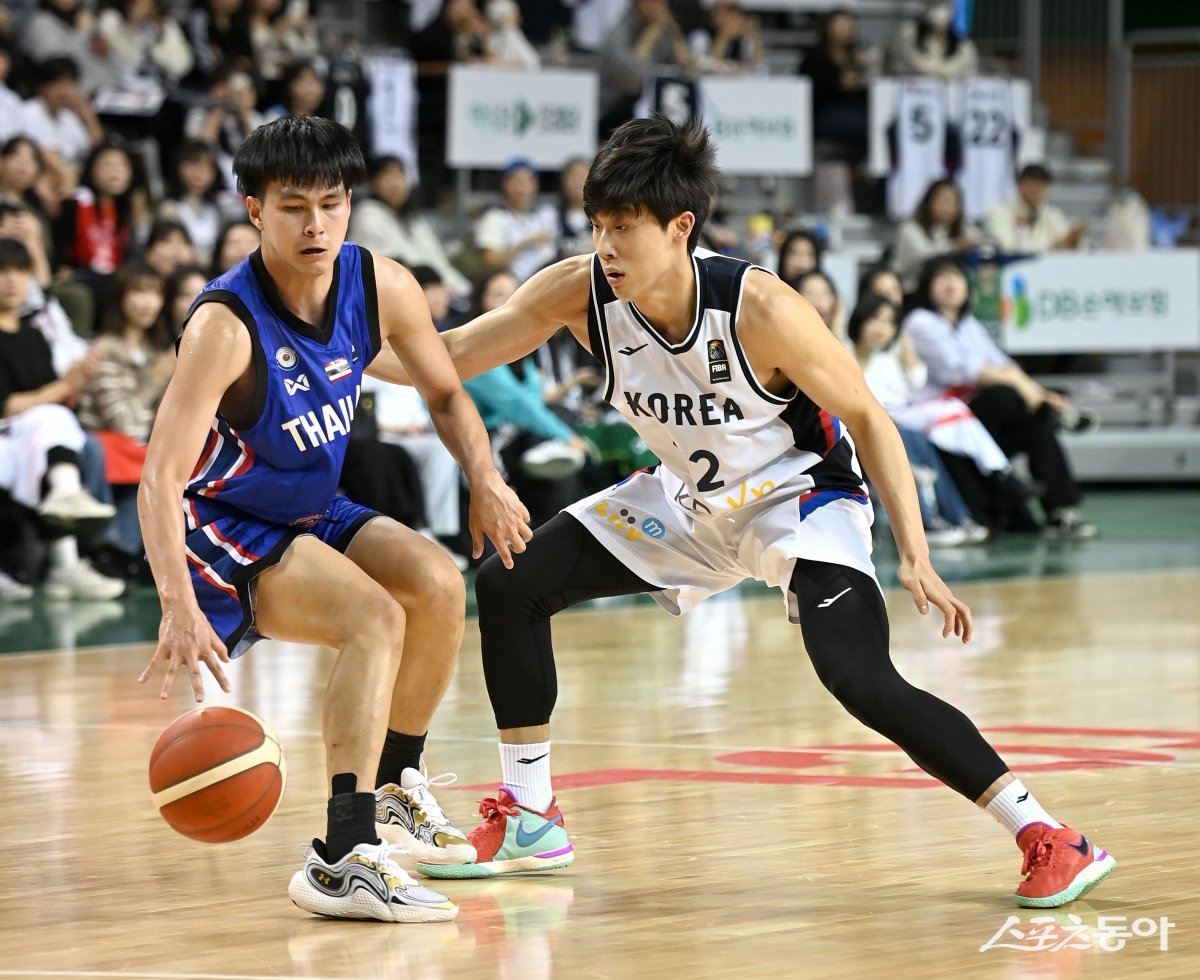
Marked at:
<point>512,838</point>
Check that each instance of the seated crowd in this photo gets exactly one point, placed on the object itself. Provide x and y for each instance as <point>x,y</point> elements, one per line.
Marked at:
<point>112,221</point>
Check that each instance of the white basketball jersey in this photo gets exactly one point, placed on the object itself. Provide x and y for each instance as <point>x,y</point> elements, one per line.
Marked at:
<point>723,440</point>
<point>920,143</point>
<point>986,177</point>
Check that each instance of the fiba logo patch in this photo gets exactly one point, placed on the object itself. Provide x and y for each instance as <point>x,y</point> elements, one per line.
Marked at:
<point>286,358</point>
<point>718,362</point>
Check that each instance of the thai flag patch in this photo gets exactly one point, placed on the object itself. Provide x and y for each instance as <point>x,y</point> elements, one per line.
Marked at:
<point>337,369</point>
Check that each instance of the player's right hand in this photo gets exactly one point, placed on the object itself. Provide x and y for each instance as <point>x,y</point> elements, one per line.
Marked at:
<point>186,639</point>
<point>497,511</point>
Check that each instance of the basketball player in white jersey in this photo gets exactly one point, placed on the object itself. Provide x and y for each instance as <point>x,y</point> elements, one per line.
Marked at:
<point>758,416</point>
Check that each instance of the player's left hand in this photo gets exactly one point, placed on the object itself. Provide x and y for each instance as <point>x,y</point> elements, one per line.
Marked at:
<point>497,511</point>
<point>926,586</point>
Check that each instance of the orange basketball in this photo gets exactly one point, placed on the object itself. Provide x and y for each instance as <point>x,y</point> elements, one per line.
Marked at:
<point>217,774</point>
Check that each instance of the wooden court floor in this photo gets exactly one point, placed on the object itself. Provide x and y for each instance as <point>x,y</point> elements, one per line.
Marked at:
<point>729,819</point>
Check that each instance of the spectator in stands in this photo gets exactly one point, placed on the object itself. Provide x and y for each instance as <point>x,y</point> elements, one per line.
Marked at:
<point>541,453</point>
<point>224,119</point>
<point>134,361</point>
<point>799,253</point>
<point>182,288</point>
<point>838,68</point>
<point>94,230</point>
<point>574,226</point>
<point>237,240</point>
<point>59,119</point>
<point>882,281</point>
<point>146,41</point>
<point>936,228</point>
<point>636,49</point>
<point>402,420</point>
<point>391,223</point>
<point>39,181</point>
<point>437,294</point>
<point>1028,223</point>
<point>68,29</point>
<point>195,198</point>
<point>930,45</point>
<point>457,35</point>
<point>1021,415</point>
<point>303,91</point>
<point>168,247</point>
<point>507,46</point>
<point>819,290</point>
<point>521,236</point>
<point>18,222</point>
<point>219,32</point>
<point>731,44</point>
<point>280,34</point>
<point>11,104</point>
<point>41,443</point>
<point>940,433</point>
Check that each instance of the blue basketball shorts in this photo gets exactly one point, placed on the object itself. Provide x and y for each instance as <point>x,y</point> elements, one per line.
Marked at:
<point>225,557</point>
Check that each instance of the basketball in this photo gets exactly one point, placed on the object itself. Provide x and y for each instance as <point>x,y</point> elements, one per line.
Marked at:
<point>217,774</point>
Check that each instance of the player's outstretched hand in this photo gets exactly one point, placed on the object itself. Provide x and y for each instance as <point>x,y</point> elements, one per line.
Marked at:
<point>927,587</point>
<point>185,639</point>
<point>497,511</point>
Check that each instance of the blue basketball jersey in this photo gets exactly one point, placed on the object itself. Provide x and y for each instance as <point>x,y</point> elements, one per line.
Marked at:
<point>282,464</point>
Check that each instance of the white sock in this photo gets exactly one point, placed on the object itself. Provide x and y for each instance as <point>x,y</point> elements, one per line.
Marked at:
<point>526,771</point>
<point>64,553</point>
<point>1015,807</point>
<point>63,478</point>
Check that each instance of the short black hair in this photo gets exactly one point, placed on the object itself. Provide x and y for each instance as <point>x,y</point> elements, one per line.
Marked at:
<point>377,165</point>
<point>867,308</point>
<point>426,275</point>
<point>307,151</point>
<point>14,255</point>
<point>657,165</point>
<point>164,228</point>
<point>1035,171</point>
<point>55,69</point>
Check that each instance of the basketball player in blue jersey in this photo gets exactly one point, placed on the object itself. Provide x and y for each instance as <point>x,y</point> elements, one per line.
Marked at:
<point>246,535</point>
<point>758,416</point>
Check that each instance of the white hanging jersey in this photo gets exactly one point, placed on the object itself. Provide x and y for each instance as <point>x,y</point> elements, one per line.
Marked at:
<point>920,144</point>
<point>986,128</point>
<point>392,106</point>
<point>723,440</point>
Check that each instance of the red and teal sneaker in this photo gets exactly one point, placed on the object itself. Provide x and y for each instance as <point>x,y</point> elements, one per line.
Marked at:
<point>512,838</point>
<point>1060,866</point>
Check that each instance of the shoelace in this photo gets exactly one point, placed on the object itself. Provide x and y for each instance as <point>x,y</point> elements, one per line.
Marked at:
<point>422,796</point>
<point>491,808</point>
<point>1037,855</point>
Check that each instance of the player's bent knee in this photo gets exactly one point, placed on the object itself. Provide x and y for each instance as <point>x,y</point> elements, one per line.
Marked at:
<point>495,584</point>
<point>378,619</point>
<point>443,585</point>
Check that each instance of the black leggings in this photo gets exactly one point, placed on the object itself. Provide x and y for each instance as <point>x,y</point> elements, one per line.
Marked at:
<point>847,641</point>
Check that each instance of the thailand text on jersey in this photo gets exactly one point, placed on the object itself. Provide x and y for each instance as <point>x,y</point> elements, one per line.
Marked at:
<point>723,439</point>
<point>282,464</point>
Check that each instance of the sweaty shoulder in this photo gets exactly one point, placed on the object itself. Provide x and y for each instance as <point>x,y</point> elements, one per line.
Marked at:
<point>217,343</point>
<point>561,291</point>
<point>769,320</point>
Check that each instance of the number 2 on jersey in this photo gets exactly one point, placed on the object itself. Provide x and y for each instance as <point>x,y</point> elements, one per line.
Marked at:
<point>707,483</point>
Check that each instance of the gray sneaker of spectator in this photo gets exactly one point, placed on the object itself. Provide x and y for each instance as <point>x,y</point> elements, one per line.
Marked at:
<point>81,582</point>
